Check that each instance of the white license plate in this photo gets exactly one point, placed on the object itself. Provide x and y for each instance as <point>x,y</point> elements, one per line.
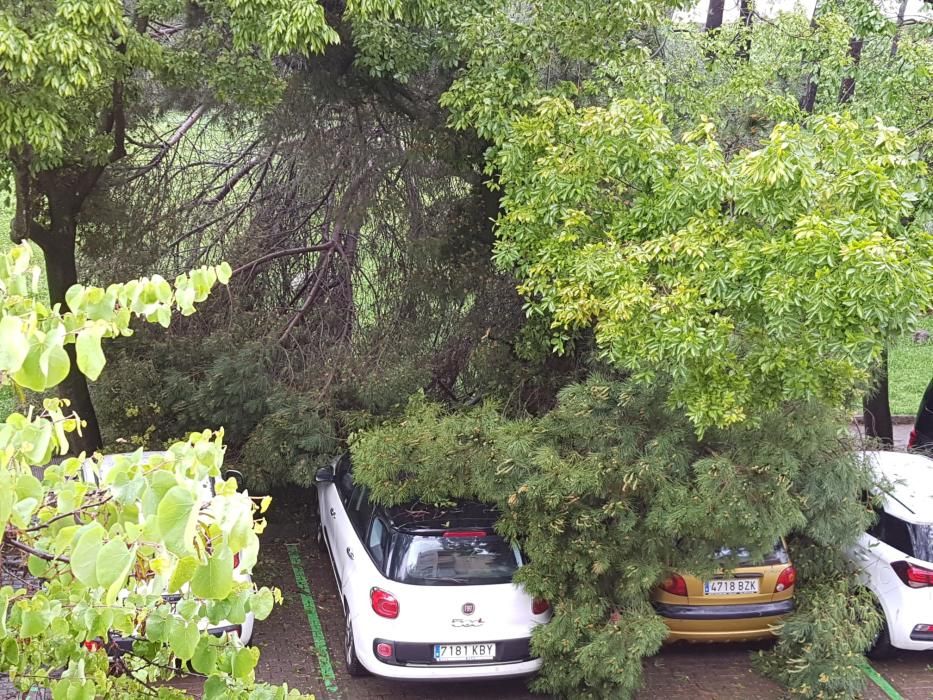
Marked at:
<point>465,652</point>
<point>730,586</point>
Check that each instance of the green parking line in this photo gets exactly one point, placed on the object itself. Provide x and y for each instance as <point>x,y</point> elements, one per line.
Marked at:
<point>880,681</point>
<point>317,632</point>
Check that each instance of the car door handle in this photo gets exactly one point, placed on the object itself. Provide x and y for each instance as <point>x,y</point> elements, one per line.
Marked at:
<point>333,513</point>
<point>349,552</point>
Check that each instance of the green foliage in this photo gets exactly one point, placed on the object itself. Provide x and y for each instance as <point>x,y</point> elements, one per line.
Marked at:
<point>773,276</point>
<point>611,491</point>
<point>103,552</point>
<point>818,652</point>
<point>290,443</point>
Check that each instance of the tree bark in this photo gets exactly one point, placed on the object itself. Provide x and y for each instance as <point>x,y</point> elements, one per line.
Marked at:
<point>745,17</point>
<point>58,245</point>
<point>847,89</point>
<point>876,409</point>
<point>714,14</point>
<point>808,98</point>
<point>901,12</point>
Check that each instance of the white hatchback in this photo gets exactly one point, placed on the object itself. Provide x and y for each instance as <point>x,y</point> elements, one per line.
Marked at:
<point>244,630</point>
<point>427,593</point>
<point>895,557</point>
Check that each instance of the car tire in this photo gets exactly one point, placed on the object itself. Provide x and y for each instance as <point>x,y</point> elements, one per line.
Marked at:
<point>354,667</point>
<point>321,542</point>
<point>882,647</point>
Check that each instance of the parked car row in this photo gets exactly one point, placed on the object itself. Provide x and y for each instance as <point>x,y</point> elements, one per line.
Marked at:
<point>428,593</point>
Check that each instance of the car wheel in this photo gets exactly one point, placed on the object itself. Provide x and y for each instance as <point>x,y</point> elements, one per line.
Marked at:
<point>354,667</point>
<point>321,542</point>
<point>882,647</point>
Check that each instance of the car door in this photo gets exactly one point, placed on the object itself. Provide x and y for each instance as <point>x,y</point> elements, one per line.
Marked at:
<point>329,507</point>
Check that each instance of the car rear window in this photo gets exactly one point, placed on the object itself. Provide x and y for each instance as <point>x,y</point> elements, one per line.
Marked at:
<point>742,557</point>
<point>454,559</point>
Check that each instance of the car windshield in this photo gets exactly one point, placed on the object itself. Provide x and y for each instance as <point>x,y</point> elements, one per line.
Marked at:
<point>921,537</point>
<point>457,558</point>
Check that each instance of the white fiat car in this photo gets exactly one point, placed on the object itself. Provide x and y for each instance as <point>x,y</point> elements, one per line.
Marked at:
<point>242,630</point>
<point>427,593</point>
<point>895,557</point>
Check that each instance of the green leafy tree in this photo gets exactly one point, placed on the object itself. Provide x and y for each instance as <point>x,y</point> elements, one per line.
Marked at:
<point>76,76</point>
<point>82,561</point>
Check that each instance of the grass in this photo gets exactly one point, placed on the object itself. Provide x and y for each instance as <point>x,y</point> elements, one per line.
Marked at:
<point>910,367</point>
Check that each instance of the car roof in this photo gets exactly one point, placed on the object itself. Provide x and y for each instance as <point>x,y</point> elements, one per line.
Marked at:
<point>910,476</point>
<point>426,518</point>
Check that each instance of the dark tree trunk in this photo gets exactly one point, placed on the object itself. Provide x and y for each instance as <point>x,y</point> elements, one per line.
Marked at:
<point>745,16</point>
<point>808,98</point>
<point>848,83</point>
<point>714,14</point>
<point>876,410</point>
<point>61,271</point>
<point>901,12</point>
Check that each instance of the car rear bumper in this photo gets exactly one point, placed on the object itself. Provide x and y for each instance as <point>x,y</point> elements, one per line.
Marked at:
<point>414,661</point>
<point>723,622</point>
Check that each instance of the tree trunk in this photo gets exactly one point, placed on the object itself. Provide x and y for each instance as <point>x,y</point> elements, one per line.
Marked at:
<point>745,17</point>
<point>876,410</point>
<point>61,271</point>
<point>808,98</point>
<point>714,14</point>
<point>847,89</point>
<point>901,12</point>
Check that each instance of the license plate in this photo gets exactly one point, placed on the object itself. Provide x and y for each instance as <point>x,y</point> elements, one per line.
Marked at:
<point>730,586</point>
<point>464,652</point>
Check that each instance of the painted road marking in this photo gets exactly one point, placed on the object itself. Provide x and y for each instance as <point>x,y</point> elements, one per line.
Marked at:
<point>325,667</point>
<point>880,681</point>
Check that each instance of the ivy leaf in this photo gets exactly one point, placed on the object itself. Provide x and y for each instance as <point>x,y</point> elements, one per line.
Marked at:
<point>183,638</point>
<point>214,580</point>
<point>14,345</point>
<point>261,603</point>
<point>178,517</point>
<point>84,554</point>
<point>90,356</point>
<point>244,661</point>
<point>113,566</point>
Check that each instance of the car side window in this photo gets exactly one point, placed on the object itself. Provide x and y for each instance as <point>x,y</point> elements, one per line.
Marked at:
<point>345,487</point>
<point>359,509</point>
<point>378,541</point>
<point>893,532</point>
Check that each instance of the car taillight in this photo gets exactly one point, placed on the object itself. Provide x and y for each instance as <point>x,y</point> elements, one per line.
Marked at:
<point>675,585</point>
<point>786,579</point>
<point>236,560</point>
<point>464,533</point>
<point>912,440</point>
<point>539,606</point>
<point>913,575</point>
<point>93,645</point>
<point>384,650</point>
<point>384,603</point>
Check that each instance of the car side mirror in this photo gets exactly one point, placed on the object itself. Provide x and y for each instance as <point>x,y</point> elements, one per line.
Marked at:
<point>237,476</point>
<point>324,475</point>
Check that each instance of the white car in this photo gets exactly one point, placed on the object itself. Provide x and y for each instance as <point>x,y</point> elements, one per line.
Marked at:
<point>895,557</point>
<point>244,630</point>
<point>427,593</point>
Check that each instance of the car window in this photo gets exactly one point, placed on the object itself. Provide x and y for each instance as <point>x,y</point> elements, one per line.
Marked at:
<point>893,532</point>
<point>455,559</point>
<point>921,537</point>
<point>922,438</point>
<point>359,509</point>
<point>345,487</point>
<point>378,541</point>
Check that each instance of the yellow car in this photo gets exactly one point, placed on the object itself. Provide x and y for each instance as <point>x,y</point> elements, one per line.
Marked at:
<point>743,605</point>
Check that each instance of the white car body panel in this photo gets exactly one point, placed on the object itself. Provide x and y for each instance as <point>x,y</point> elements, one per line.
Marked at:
<point>428,614</point>
<point>245,633</point>
<point>910,499</point>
